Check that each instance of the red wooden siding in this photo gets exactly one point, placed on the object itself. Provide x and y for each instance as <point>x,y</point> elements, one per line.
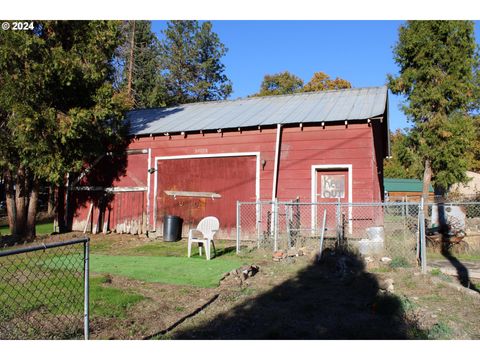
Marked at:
<point>334,145</point>
<point>231,177</point>
<point>123,211</point>
<point>358,145</point>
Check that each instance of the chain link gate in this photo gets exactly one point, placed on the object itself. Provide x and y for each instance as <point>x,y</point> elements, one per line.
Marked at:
<point>44,291</point>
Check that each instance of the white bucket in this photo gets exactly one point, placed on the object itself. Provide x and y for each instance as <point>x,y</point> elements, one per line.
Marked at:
<point>370,247</point>
<point>376,233</point>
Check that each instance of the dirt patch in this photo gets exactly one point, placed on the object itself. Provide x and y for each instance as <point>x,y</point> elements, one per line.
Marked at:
<point>164,306</point>
<point>337,299</point>
<point>300,299</point>
<point>39,323</point>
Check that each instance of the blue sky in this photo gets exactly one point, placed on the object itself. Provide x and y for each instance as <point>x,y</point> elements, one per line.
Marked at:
<point>358,51</point>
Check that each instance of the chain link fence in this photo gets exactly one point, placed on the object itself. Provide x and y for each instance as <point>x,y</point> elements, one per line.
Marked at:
<point>44,291</point>
<point>393,229</point>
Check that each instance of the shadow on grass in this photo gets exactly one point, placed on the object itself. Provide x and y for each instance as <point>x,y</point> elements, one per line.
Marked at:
<point>333,299</point>
<point>8,240</point>
<point>218,249</point>
<point>227,250</point>
<point>446,250</point>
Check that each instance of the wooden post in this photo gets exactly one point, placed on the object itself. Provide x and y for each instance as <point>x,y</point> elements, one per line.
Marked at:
<point>105,222</point>
<point>427,178</point>
<point>423,247</point>
<point>88,218</point>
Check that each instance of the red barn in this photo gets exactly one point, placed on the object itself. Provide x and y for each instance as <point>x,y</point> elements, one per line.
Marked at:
<point>199,159</point>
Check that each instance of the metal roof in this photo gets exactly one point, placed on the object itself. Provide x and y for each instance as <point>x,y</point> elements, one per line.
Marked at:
<point>404,185</point>
<point>314,107</point>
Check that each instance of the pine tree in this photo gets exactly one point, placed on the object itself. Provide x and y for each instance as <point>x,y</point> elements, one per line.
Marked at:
<point>191,62</point>
<point>139,67</point>
<point>402,162</point>
<point>58,108</point>
<point>438,75</point>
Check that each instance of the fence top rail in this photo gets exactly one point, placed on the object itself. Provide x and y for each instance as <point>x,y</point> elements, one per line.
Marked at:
<point>453,203</point>
<point>390,203</point>
<point>329,203</point>
<point>44,247</point>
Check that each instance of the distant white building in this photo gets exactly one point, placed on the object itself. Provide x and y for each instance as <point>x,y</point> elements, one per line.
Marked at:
<point>471,188</point>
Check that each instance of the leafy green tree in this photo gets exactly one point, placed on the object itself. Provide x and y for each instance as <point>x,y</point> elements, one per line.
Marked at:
<point>401,164</point>
<point>474,155</point>
<point>321,82</point>
<point>280,84</point>
<point>287,83</point>
<point>446,142</point>
<point>139,65</point>
<point>438,76</point>
<point>58,108</point>
<point>191,62</point>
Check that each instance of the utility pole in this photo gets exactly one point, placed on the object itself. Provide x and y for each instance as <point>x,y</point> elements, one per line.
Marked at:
<point>130,64</point>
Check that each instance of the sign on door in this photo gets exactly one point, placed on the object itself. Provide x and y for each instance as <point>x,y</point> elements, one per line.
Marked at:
<point>332,186</point>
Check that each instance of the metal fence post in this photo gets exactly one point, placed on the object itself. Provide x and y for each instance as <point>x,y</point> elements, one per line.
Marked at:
<point>259,222</point>
<point>421,220</point>
<point>275,225</point>
<point>86,252</point>
<point>60,317</point>
<point>238,227</point>
<point>288,219</point>
<point>338,222</point>
<point>323,232</point>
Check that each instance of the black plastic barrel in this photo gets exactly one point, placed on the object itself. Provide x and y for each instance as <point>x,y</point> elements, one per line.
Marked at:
<point>172,228</point>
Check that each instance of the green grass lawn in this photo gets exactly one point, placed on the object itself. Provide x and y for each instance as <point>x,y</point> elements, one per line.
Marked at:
<point>109,301</point>
<point>164,262</point>
<point>224,248</point>
<point>61,293</point>
<point>168,270</point>
<point>53,283</point>
<point>41,229</point>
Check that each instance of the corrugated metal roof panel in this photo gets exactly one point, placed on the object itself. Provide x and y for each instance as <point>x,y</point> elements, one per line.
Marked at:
<point>327,106</point>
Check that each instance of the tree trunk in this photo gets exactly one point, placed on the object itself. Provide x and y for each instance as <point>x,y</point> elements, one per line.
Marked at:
<point>427,178</point>
<point>68,212</point>
<point>21,201</point>
<point>10,199</point>
<point>131,61</point>
<point>61,208</point>
<point>32,212</point>
<point>51,200</point>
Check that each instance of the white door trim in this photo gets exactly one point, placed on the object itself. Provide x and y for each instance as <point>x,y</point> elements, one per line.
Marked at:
<point>199,156</point>
<point>314,180</point>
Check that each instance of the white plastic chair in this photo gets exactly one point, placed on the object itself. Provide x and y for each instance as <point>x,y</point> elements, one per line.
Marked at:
<point>203,235</point>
